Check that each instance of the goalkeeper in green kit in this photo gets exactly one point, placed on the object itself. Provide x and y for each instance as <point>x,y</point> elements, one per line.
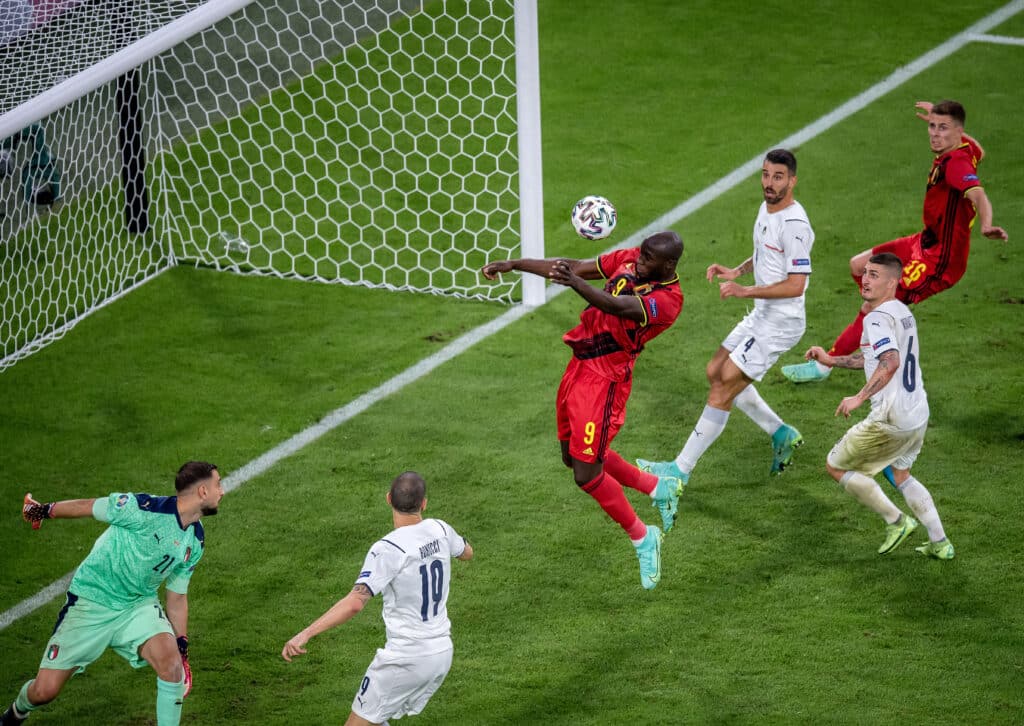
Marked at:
<point>112,600</point>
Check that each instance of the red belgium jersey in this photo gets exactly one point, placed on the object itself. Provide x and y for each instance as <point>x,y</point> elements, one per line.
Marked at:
<point>948,213</point>
<point>609,344</point>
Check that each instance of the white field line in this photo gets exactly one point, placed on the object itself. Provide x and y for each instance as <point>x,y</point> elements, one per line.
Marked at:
<point>1000,39</point>
<point>56,333</point>
<point>339,416</point>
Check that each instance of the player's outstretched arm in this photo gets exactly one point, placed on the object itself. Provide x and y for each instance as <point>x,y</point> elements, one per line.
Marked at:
<point>722,272</point>
<point>341,612</point>
<point>816,352</point>
<point>980,201</point>
<point>587,269</point>
<point>793,286</point>
<point>625,306</point>
<point>35,512</point>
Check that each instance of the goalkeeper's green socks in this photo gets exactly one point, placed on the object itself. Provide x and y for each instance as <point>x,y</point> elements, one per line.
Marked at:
<point>168,702</point>
<point>21,703</point>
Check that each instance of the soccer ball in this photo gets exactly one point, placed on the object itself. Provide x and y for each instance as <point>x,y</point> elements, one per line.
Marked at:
<point>594,217</point>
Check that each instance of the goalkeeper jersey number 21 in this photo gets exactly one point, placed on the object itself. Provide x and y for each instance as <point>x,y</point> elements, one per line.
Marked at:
<point>144,545</point>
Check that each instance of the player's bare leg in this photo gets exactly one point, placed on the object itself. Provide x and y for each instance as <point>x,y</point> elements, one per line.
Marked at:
<point>733,386</point>
<point>48,684</point>
<point>161,652</point>
<point>355,720</point>
<point>45,687</point>
<point>711,424</point>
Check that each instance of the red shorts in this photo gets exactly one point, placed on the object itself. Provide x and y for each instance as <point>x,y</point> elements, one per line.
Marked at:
<point>590,409</point>
<point>919,280</point>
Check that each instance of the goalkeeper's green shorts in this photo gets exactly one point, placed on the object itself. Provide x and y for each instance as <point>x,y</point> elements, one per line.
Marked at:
<point>85,629</point>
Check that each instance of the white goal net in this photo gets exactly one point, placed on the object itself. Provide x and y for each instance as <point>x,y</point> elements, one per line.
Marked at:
<point>372,143</point>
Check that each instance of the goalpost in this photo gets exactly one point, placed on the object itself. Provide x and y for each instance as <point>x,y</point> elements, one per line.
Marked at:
<point>386,143</point>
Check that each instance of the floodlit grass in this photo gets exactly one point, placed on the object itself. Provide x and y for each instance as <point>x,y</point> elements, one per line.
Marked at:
<point>774,607</point>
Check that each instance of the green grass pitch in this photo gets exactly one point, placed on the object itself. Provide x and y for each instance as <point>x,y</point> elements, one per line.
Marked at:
<point>773,608</point>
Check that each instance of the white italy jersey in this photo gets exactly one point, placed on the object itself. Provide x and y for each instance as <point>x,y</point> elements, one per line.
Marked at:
<point>412,567</point>
<point>903,402</point>
<point>782,246</point>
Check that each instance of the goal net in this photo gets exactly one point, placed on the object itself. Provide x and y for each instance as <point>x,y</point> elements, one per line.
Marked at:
<point>371,143</point>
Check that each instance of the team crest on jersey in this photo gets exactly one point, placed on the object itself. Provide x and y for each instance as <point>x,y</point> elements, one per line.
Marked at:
<point>121,501</point>
<point>879,344</point>
<point>51,654</point>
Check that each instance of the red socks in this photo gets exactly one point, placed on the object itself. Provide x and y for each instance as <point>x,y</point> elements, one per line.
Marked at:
<point>627,474</point>
<point>849,340</point>
<point>608,493</point>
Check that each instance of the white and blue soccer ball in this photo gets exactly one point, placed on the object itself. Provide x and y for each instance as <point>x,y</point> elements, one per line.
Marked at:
<point>594,217</point>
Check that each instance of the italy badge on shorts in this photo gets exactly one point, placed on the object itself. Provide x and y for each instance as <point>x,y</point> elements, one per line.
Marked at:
<point>51,653</point>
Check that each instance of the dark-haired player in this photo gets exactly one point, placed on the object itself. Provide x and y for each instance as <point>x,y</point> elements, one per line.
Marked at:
<point>935,258</point>
<point>781,264</point>
<point>412,567</point>
<point>112,600</point>
<point>893,432</point>
<point>640,301</point>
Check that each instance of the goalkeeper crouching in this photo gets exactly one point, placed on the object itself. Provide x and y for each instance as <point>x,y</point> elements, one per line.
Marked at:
<point>112,601</point>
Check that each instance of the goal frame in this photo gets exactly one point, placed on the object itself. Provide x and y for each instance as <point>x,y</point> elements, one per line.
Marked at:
<point>123,67</point>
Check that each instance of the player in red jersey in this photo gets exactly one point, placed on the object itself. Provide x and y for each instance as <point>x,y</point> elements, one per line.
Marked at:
<point>935,258</point>
<point>640,300</point>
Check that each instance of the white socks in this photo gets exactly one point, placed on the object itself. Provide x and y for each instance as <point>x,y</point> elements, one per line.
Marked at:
<point>709,427</point>
<point>920,502</point>
<point>750,402</point>
<point>867,492</point>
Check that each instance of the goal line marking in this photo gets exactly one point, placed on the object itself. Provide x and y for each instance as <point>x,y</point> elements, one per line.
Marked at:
<point>339,416</point>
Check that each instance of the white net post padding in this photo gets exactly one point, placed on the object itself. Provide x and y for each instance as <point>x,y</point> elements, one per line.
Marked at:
<point>372,143</point>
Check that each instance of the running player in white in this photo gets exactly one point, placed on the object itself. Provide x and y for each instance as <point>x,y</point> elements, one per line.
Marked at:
<point>412,567</point>
<point>890,437</point>
<point>781,264</point>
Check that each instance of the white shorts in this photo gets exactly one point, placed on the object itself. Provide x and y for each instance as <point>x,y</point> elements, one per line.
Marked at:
<point>755,344</point>
<point>398,684</point>
<point>870,446</point>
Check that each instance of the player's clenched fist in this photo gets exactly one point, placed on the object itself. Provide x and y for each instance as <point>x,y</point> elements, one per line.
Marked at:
<point>492,269</point>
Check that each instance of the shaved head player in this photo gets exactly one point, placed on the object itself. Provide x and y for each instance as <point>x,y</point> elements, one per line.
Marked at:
<point>639,301</point>
<point>412,569</point>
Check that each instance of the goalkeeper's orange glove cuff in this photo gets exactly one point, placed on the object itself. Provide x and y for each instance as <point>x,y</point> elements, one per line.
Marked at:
<point>183,650</point>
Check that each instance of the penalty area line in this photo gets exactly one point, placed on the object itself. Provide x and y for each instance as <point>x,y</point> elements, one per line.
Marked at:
<point>464,342</point>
